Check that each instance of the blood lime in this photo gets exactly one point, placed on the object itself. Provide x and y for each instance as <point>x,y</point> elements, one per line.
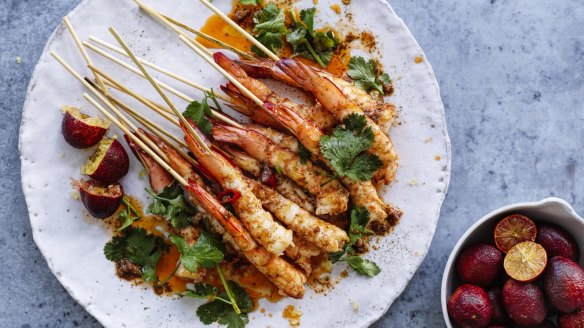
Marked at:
<point>513,230</point>
<point>525,261</point>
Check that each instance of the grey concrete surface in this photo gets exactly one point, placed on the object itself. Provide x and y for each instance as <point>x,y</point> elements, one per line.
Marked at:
<point>511,75</point>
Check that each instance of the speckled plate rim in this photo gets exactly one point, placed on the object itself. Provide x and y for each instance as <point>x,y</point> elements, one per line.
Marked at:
<point>400,288</point>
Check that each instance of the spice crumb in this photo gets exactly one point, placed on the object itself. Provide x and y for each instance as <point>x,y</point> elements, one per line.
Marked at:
<point>437,157</point>
<point>413,182</point>
<point>344,274</point>
<point>292,315</point>
<point>418,59</point>
<point>428,140</point>
<point>18,59</point>
<point>336,8</point>
<point>355,307</point>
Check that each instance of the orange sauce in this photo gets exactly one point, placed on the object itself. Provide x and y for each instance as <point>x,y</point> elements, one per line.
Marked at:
<point>291,314</point>
<point>336,8</point>
<point>217,28</point>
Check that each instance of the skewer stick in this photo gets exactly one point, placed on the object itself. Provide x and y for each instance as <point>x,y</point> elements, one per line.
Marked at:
<point>144,120</point>
<point>83,52</point>
<point>159,90</point>
<point>164,85</point>
<point>141,99</point>
<point>209,38</point>
<point>163,20</point>
<point>154,66</point>
<point>248,36</point>
<point>135,139</point>
<point>233,80</point>
<point>97,93</point>
<point>146,100</point>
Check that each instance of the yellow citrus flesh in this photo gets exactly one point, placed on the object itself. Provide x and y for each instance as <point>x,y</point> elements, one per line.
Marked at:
<point>93,121</point>
<point>94,160</point>
<point>513,230</point>
<point>525,261</point>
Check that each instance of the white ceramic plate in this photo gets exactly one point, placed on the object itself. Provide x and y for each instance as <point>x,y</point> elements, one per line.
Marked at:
<point>72,242</point>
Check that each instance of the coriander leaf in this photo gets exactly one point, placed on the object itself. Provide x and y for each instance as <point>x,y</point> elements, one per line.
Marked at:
<point>365,74</point>
<point>303,153</point>
<point>171,204</point>
<point>306,42</point>
<point>211,311</point>
<point>269,27</point>
<point>242,299</point>
<point>233,320</point>
<point>201,290</point>
<point>361,266</point>
<point>205,252</point>
<point>125,217</point>
<point>345,149</point>
<point>138,246</point>
<point>249,2</point>
<point>359,220</point>
<point>222,312</point>
<point>196,111</point>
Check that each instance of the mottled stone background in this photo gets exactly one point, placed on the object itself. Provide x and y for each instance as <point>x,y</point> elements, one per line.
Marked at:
<point>511,75</point>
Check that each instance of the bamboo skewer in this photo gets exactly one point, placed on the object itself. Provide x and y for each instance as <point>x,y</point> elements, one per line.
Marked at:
<point>99,96</point>
<point>233,24</point>
<point>83,52</point>
<point>159,90</point>
<point>135,139</point>
<point>163,85</point>
<point>138,97</point>
<point>153,66</point>
<point>159,17</point>
<point>233,80</point>
<point>148,102</point>
<point>209,38</point>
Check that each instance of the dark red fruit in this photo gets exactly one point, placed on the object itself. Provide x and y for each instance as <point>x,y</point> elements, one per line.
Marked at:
<point>557,242</point>
<point>469,307</point>
<point>572,320</point>
<point>564,284</point>
<point>500,317</point>
<point>524,303</point>
<point>100,200</point>
<point>546,324</point>
<point>80,130</point>
<point>109,163</point>
<point>480,264</point>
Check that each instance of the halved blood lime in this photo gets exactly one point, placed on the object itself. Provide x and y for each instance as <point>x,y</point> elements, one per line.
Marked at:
<point>525,261</point>
<point>513,230</point>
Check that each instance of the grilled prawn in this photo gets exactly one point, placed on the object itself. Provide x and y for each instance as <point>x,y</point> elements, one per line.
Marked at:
<point>381,113</point>
<point>333,99</point>
<point>331,197</point>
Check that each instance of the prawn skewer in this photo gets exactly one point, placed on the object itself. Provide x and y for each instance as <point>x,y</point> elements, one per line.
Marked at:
<point>383,114</point>
<point>329,95</point>
<point>260,223</point>
<point>331,198</point>
<point>281,273</point>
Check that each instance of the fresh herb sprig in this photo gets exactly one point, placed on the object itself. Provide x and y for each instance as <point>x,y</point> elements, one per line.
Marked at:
<point>229,307</point>
<point>199,110</point>
<point>250,2</point>
<point>367,76</point>
<point>138,246</point>
<point>128,216</point>
<point>269,28</point>
<point>346,147</point>
<point>306,42</point>
<point>357,229</point>
<point>171,204</point>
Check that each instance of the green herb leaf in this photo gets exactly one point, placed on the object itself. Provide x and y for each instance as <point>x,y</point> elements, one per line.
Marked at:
<point>171,204</point>
<point>125,217</point>
<point>249,2</point>
<point>222,312</point>
<point>269,28</point>
<point>345,149</point>
<point>365,74</point>
<point>196,111</point>
<point>201,290</point>
<point>308,43</point>
<point>359,220</point>
<point>138,246</point>
<point>361,266</point>
<point>205,252</point>
<point>303,153</point>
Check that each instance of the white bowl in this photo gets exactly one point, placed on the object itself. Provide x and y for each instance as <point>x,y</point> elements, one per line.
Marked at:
<point>552,210</point>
